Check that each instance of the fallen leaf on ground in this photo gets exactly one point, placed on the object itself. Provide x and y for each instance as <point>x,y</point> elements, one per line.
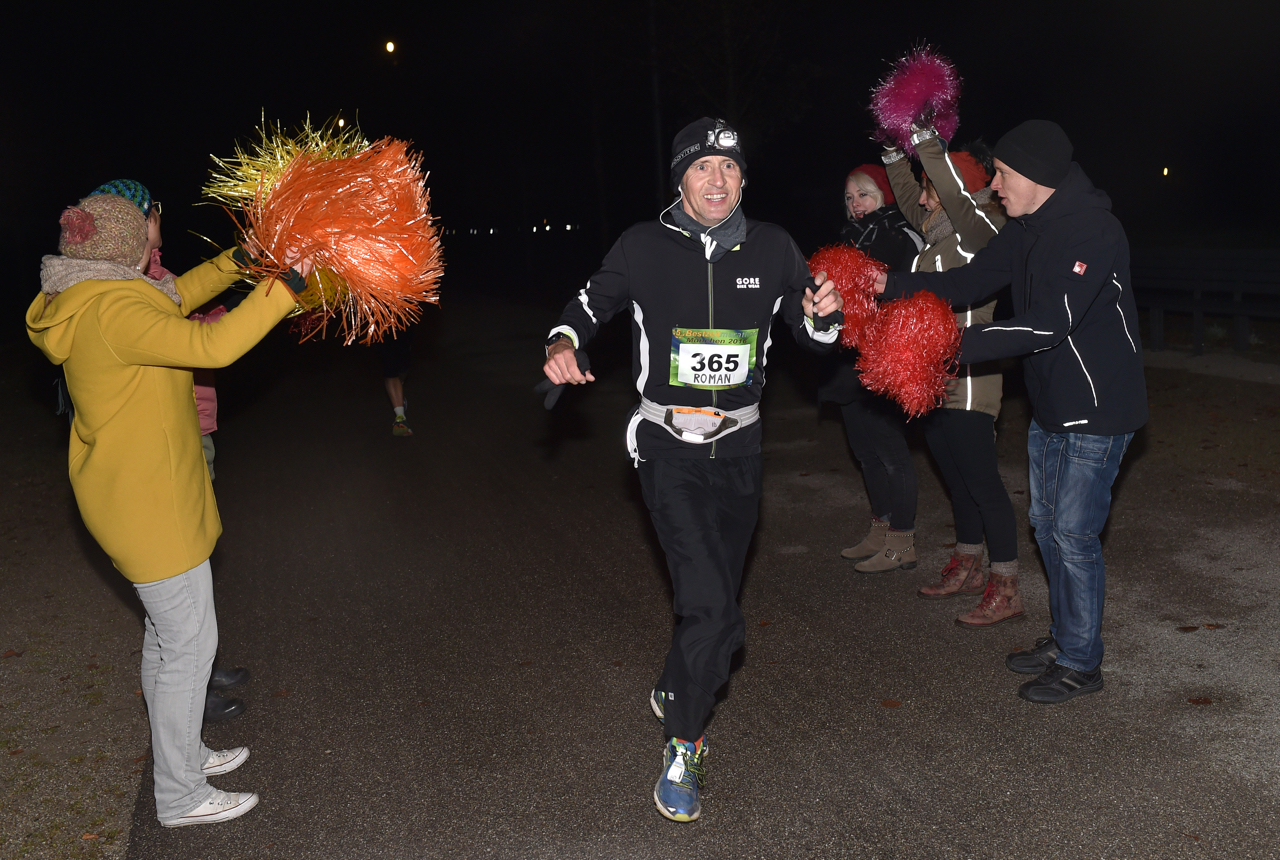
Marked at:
<point>16,752</point>
<point>89,836</point>
<point>526,662</point>
<point>1212,626</point>
<point>1200,701</point>
<point>280,694</point>
<point>765,623</point>
<point>890,703</point>
<point>1190,629</point>
<point>951,545</point>
<point>11,653</point>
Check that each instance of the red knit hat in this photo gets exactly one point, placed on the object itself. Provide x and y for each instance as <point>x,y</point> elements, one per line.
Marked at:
<point>876,173</point>
<point>974,175</point>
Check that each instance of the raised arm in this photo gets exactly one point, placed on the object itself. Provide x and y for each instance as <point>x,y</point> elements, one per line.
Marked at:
<point>974,226</point>
<point>905,187</point>
<point>140,333</point>
<point>207,280</point>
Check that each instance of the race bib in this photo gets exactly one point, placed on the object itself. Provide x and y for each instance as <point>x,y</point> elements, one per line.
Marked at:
<point>712,357</point>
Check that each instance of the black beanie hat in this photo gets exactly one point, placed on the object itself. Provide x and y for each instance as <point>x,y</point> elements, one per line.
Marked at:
<point>1039,150</point>
<point>699,139</point>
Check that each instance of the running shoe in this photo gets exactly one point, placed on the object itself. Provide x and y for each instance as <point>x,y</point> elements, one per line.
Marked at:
<point>400,427</point>
<point>658,702</point>
<point>676,792</point>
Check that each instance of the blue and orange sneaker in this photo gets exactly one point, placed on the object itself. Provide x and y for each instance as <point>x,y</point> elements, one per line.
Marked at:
<point>676,793</point>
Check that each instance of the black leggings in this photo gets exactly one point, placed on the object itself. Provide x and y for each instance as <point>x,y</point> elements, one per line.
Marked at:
<point>877,431</point>
<point>964,447</point>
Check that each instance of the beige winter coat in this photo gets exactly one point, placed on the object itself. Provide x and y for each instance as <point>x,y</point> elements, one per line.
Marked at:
<point>977,387</point>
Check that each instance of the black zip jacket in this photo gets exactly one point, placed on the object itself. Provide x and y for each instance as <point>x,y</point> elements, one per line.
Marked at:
<point>1074,315</point>
<point>886,236</point>
<point>662,276</point>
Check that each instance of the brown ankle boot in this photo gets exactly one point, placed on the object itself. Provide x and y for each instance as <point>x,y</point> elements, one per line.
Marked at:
<point>962,575</point>
<point>871,545</point>
<point>1000,602</point>
<point>899,553</point>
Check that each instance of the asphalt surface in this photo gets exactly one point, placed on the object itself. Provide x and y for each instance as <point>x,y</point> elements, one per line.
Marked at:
<point>453,635</point>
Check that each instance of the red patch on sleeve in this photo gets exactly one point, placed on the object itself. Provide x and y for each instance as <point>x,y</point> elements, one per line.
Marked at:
<point>1079,268</point>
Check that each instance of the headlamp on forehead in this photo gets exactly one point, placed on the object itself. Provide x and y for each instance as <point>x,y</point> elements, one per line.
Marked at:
<point>722,138</point>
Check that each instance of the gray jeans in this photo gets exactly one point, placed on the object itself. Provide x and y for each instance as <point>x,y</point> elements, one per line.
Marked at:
<point>177,656</point>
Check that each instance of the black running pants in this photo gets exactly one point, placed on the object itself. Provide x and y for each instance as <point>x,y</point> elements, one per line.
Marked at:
<point>705,512</point>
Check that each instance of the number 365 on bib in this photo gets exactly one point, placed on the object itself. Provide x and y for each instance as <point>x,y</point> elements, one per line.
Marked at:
<point>712,357</point>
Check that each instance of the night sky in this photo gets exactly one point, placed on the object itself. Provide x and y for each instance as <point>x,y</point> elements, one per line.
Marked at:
<point>535,111</point>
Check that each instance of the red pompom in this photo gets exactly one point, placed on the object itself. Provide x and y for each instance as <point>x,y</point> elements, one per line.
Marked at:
<point>77,225</point>
<point>854,274</point>
<point>922,88</point>
<point>909,351</point>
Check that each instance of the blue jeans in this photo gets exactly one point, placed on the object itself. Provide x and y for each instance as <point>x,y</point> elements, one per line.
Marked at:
<point>1071,478</point>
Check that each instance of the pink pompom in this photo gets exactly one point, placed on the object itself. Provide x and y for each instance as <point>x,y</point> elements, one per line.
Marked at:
<point>77,225</point>
<point>922,88</point>
<point>854,274</point>
<point>909,352</point>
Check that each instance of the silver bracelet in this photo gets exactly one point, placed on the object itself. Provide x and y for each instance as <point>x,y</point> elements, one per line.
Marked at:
<point>889,156</point>
<point>918,137</point>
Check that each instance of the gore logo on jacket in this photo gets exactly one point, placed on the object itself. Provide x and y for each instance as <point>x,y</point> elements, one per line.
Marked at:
<point>748,283</point>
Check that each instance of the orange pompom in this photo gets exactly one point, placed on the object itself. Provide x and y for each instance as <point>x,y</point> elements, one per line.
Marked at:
<point>364,222</point>
<point>854,274</point>
<point>909,352</point>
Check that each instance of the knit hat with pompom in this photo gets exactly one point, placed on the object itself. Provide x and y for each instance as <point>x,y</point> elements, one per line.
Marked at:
<point>103,227</point>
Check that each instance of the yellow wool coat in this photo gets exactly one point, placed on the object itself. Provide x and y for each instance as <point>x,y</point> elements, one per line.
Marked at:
<point>135,459</point>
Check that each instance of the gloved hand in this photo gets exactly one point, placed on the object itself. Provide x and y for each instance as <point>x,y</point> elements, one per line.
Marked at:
<point>553,391</point>
<point>824,323</point>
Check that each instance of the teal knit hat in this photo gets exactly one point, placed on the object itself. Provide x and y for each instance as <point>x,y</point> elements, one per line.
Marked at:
<point>135,192</point>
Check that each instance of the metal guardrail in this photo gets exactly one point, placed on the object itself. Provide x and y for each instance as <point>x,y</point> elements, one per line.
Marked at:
<point>1243,285</point>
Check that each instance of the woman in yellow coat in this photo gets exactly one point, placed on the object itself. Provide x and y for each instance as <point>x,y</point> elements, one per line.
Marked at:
<point>135,460</point>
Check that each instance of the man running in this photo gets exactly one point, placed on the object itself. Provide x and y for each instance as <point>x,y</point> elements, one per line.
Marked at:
<point>703,284</point>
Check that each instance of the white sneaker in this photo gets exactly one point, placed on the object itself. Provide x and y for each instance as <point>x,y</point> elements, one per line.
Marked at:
<point>221,806</point>
<point>224,761</point>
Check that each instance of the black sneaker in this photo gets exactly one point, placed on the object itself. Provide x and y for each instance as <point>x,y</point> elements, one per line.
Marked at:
<point>1035,660</point>
<point>1059,683</point>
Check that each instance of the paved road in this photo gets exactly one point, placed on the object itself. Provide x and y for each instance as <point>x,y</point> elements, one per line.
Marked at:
<point>453,635</point>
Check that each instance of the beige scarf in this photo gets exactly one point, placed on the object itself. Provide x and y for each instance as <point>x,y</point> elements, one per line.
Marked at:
<point>57,273</point>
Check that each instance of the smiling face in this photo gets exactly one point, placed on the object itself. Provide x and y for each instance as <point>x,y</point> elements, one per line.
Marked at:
<point>711,188</point>
<point>1019,194</point>
<point>861,197</point>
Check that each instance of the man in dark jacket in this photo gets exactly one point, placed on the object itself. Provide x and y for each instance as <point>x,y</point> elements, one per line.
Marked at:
<point>703,285</point>
<point>1067,259</point>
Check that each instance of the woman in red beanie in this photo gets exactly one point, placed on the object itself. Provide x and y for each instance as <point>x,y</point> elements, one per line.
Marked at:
<point>959,215</point>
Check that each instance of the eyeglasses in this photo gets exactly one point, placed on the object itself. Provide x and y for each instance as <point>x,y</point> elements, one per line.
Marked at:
<point>155,207</point>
